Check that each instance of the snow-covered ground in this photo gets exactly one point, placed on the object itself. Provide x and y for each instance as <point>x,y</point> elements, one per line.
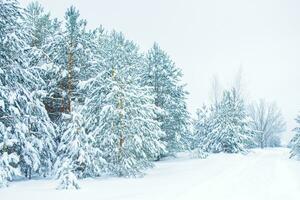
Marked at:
<point>266,174</point>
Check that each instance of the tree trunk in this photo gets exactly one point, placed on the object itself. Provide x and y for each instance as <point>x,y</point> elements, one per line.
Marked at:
<point>69,81</point>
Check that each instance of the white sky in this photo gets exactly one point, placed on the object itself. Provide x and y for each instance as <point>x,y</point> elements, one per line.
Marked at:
<point>212,37</point>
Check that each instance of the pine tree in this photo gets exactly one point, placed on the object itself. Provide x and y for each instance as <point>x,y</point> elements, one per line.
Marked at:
<point>70,50</point>
<point>7,171</point>
<point>295,142</point>
<point>229,132</point>
<point>43,30</point>
<point>39,24</point>
<point>76,152</point>
<point>46,33</point>
<point>201,126</point>
<point>67,178</point>
<point>161,74</point>
<point>22,114</point>
<point>120,113</point>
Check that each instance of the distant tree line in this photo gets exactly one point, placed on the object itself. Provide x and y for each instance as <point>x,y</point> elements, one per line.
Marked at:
<point>231,124</point>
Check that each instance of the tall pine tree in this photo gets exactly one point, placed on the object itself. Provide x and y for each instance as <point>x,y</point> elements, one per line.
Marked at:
<point>70,50</point>
<point>120,113</point>
<point>27,132</point>
<point>161,74</point>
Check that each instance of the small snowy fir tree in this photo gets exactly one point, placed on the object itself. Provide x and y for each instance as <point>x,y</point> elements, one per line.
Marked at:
<point>120,113</point>
<point>76,152</point>
<point>161,74</point>
<point>201,128</point>
<point>7,171</point>
<point>295,142</point>
<point>229,132</point>
<point>29,130</point>
<point>67,179</point>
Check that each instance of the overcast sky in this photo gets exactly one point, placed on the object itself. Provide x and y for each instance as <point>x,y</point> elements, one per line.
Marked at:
<point>216,37</point>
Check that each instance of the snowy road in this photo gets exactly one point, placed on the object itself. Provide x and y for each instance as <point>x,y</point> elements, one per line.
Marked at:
<point>261,175</point>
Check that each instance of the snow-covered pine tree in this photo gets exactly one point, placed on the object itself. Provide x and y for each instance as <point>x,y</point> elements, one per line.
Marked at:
<point>7,171</point>
<point>161,74</point>
<point>43,29</point>
<point>39,24</point>
<point>201,126</point>
<point>295,142</point>
<point>229,132</point>
<point>70,50</point>
<point>29,132</point>
<point>67,178</point>
<point>46,32</point>
<point>76,152</point>
<point>120,113</point>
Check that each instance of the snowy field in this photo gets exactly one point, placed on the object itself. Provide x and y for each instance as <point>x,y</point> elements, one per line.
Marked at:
<point>261,175</point>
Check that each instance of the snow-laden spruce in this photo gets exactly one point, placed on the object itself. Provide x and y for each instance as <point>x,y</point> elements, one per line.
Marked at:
<point>27,134</point>
<point>43,30</point>
<point>40,24</point>
<point>120,113</point>
<point>161,74</point>
<point>70,49</point>
<point>67,178</point>
<point>229,128</point>
<point>201,128</point>
<point>76,152</point>
<point>7,171</point>
<point>295,142</point>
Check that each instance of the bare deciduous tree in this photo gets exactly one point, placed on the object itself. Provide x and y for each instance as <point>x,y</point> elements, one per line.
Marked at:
<point>268,122</point>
